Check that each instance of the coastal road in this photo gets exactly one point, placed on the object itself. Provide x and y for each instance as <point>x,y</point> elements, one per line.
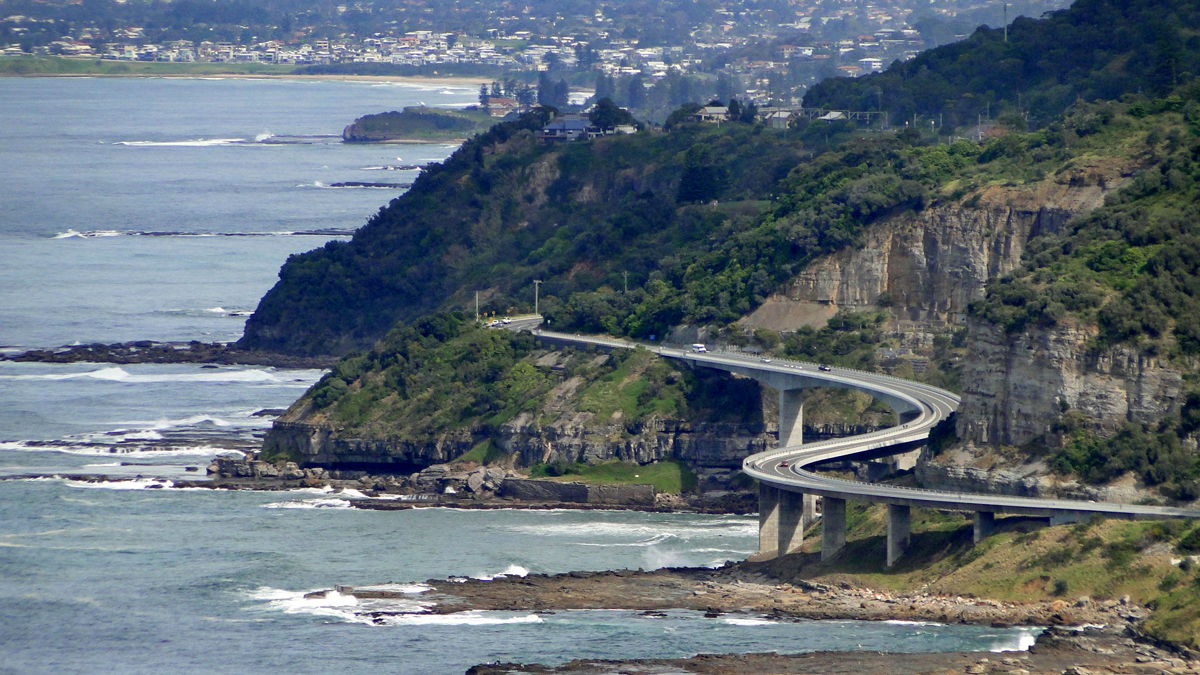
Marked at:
<point>921,407</point>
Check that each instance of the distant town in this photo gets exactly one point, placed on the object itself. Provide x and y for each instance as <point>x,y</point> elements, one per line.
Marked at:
<point>770,51</point>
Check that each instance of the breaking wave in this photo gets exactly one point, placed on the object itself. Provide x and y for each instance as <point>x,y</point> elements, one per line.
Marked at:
<point>95,234</point>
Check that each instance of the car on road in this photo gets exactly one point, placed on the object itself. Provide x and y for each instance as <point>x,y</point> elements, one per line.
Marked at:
<point>766,360</point>
<point>783,464</point>
<point>824,368</point>
<point>699,349</point>
<point>506,321</point>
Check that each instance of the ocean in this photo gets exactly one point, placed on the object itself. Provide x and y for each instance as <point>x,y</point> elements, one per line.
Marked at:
<point>161,209</point>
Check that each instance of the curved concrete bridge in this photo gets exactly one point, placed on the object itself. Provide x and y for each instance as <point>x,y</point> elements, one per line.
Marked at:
<point>788,487</point>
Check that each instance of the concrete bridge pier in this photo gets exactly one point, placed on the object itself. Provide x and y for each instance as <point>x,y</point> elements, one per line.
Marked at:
<point>899,531</point>
<point>781,520</point>
<point>793,517</point>
<point>768,519</point>
<point>810,509</point>
<point>833,526</point>
<point>985,525</point>
<point>791,417</point>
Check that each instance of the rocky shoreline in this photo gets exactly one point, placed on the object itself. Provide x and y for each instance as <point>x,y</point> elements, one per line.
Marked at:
<point>1082,637</point>
<point>148,351</point>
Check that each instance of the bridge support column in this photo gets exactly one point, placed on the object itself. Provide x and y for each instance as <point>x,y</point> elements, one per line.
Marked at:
<point>810,509</point>
<point>985,525</point>
<point>791,417</point>
<point>833,526</point>
<point>899,530</point>
<point>793,513</point>
<point>768,519</point>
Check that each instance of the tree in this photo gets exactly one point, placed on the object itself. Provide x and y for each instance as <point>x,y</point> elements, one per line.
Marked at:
<point>735,109</point>
<point>527,96</point>
<point>636,97</point>
<point>607,115</point>
<point>605,87</point>
<point>483,95</point>
<point>562,94</point>
<point>749,114</point>
<point>703,178</point>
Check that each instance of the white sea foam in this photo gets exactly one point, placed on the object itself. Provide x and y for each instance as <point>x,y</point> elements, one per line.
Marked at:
<point>412,589</point>
<point>1020,642</point>
<point>652,541</point>
<point>197,143</point>
<point>134,484</point>
<point>334,604</point>
<point>73,234</point>
<point>643,533</point>
<point>902,622</point>
<point>309,504</point>
<point>144,435</point>
<point>118,374</point>
<point>510,571</point>
<point>732,621</point>
<point>459,619</point>
<point>102,450</point>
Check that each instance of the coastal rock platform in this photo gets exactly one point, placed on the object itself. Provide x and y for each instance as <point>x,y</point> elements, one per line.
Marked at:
<point>1082,637</point>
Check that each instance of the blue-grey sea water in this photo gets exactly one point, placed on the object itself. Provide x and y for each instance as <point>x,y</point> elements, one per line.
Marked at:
<point>162,209</point>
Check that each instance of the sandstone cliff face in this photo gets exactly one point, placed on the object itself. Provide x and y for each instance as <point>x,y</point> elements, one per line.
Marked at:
<point>1013,385</point>
<point>932,264</point>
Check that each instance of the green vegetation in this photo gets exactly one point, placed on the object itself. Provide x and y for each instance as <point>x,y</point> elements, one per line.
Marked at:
<point>642,385</point>
<point>1130,268</point>
<point>1157,454</point>
<point>849,340</point>
<point>1023,561</point>
<point>441,373</point>
<point>1095,50</point>
<point>417,123</point>
<point>446,373</point>
<point>484,453</point>
<point>704,221</point>
<point>57,65</point>
<point>670,476</point>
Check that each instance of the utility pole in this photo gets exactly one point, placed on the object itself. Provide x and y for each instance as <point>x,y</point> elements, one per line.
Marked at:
<point>536,284</point>
<point>476,306</point>
<point>1006,23</point>
<point>626,275</point>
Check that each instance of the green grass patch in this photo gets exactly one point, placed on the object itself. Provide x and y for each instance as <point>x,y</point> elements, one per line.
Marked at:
<point>640,386</point>
<point>669,476</point>
<point>483,453</point>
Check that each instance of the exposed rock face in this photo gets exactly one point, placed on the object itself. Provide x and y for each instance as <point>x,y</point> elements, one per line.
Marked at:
<point>710,445</point>
<point>554,491</point>
<point>930,265</point>
<point>1013,385</point>
<point>702,446</point>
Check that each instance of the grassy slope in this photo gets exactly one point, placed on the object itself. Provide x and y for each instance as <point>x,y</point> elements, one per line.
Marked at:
<point>1022,562</point>
<point>447,374</point>
<point>673,477</point>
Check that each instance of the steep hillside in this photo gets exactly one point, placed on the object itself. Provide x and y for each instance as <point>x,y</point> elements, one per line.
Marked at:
<point>436,390</point>
<point>1083,361</point>
<point>1078,366</point>
<point>505,210</point>
<point>1094,50</point>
